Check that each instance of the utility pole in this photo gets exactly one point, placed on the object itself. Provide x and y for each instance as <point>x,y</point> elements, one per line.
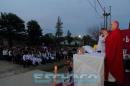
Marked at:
<point>104,17</point>
<point>106,14</point>
<point>110,18</point>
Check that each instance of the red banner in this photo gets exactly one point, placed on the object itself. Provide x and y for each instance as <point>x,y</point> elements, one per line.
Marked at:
<point>126,40</point>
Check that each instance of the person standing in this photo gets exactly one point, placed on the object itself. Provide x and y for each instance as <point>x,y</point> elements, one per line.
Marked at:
<point>114,54</point>
<point>101,42</point>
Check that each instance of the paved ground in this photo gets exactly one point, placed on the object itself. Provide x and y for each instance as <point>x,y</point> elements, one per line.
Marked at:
<point>23,79</point>
<point>15,74</point>
<point>8,69</point>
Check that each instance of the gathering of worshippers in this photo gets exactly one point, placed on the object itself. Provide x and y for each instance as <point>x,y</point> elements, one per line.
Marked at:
<point>33,55</point>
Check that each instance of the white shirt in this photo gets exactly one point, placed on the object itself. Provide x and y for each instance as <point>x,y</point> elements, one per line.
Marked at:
<point>101,44</point>
<point>10,53</point>
<point>5,52</point>
<point>24,57</point>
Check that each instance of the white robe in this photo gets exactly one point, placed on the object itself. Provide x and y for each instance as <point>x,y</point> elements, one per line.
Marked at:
<point>101,44</point>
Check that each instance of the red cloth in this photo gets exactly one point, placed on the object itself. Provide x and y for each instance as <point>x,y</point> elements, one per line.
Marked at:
<point>60,84</point>
<point>114,56</point>
<point>126,40</point>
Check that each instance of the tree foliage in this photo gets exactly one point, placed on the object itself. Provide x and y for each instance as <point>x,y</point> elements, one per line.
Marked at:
<point>69,38</point>
<point>10,25</point>
<point>88,40</point>
<point>34,32</point>
<point>59,31</point>
<point>49,39</point>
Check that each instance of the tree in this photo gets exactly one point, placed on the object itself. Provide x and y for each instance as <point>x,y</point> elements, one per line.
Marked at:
<point>88,40</point>
<point>59,27</point>
<point>10,25</point>
<point>68,34</point>
<point>34,32</point>
<point>49,39</point>
<point>68,37</point>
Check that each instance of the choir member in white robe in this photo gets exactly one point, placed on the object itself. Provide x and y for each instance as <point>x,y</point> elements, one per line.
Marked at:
<point>101,44</point>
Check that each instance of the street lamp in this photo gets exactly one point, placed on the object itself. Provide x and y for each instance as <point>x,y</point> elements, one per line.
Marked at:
<point>80,40</point>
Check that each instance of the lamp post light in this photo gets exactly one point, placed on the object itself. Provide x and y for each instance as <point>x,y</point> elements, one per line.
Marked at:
<point>80,40</point>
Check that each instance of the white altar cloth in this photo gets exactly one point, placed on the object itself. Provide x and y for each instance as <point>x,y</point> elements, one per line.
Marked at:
<point>89,64</point>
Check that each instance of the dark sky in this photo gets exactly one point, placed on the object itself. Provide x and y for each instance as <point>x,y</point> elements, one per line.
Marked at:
<point>77,15</point>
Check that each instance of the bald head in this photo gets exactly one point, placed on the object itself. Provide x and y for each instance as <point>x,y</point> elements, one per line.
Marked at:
<point>115,25</point>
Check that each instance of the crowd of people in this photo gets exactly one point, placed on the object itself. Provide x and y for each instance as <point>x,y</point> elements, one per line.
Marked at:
<point>27,56</point>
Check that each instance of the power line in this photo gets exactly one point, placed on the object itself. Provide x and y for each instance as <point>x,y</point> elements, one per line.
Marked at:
<point>94,7</point>
<point>105,3</point>
<point>105,14</point>
<point>100,5</point>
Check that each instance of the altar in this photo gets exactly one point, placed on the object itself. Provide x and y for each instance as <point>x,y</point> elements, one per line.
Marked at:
<point>91,66</point>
